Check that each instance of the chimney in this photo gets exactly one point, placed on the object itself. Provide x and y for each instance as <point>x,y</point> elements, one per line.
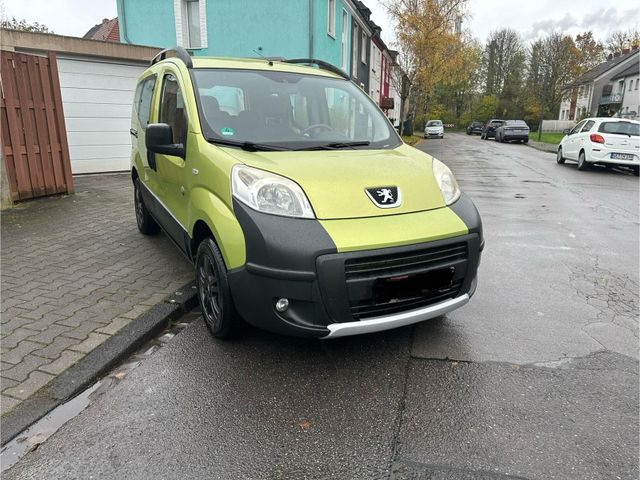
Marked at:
<point>625,51</point>
<point>105,20</point>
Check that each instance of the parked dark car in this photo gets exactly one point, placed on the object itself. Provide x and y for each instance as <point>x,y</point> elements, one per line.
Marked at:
<point>513,131</point>
<point>489,129</point>
<point>474,128</point>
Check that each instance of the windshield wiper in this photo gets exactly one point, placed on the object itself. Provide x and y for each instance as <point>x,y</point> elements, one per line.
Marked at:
<point>248,146</point>
<point>337,145</point>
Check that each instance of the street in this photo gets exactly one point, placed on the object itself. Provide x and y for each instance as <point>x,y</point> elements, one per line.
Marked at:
<point>536,378</point>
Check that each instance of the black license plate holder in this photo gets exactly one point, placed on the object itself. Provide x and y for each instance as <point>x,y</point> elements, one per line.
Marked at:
<point>403,287</point>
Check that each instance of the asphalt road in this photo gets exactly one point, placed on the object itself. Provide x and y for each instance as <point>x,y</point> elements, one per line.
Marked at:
<point>536,378</point>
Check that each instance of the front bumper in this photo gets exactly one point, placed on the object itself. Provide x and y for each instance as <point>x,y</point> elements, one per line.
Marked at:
<point>434,134</point>
<point>296,259</point>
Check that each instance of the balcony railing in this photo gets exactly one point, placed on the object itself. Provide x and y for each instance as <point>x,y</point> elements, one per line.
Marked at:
<point>613,98</point>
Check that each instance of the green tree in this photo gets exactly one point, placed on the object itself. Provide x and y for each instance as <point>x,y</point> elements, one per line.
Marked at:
<point>23,25</point>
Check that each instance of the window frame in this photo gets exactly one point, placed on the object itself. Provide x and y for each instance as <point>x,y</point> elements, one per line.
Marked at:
<point>153,77</point>
<point>331,18</point>
<point>345,44</point>
<point>165,74</point>
<point>354,51</point>
<point>363,53</point>
<point>588,126</point>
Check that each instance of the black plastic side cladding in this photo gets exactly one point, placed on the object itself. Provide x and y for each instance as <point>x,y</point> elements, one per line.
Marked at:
<point>468,213</point>
<point>282,243</point>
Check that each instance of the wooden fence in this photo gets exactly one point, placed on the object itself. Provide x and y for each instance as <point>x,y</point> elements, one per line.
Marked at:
<point>34,138</point>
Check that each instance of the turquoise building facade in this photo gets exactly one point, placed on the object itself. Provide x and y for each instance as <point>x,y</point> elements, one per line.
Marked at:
<point>251,28</point>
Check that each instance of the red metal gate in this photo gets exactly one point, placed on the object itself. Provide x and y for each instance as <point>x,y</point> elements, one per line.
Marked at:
<point>34,138</point>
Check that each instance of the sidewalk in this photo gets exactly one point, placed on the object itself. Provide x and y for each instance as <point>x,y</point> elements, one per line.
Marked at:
<point>74,271</point>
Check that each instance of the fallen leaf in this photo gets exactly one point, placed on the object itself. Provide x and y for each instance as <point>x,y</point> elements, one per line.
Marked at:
<point>305,424</point>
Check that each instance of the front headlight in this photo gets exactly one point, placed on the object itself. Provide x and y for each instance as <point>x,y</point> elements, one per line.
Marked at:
<point>269,193</point>
<point>446,182</point>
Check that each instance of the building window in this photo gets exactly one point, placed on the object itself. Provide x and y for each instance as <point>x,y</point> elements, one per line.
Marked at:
<point>637,80</point>
<point>345,53</point>
<point>331,18</point>
<point>191,23</point>
<point>363,48</point>
<point>354,52</point>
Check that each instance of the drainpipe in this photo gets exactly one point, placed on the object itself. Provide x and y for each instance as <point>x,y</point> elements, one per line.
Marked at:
<point>310,28</point>
<point>124,22</point>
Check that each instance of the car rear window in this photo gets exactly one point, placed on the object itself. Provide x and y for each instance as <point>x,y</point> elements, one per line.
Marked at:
<point>620,128</point>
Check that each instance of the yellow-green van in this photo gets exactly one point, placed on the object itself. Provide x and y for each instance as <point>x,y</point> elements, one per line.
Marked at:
<point>300,206</point>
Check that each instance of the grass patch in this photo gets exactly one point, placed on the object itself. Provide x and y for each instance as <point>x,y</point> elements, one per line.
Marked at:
<point>411,139</point>
<point>547,137</point>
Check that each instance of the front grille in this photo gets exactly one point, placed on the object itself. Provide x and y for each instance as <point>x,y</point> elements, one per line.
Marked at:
<point>363,275</point>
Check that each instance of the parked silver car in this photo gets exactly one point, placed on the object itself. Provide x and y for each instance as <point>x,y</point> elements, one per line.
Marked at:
<point>513,131</point>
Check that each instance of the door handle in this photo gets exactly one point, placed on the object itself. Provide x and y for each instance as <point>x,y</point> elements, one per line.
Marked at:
<point>133,132</point>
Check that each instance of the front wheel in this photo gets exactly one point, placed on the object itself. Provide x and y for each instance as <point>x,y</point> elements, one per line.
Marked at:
<point>582,162</point>
<point>214,293</point>
<point>559,157</point>
<point>146,224</point>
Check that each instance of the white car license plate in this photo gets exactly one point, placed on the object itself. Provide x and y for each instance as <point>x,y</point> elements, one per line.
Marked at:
<point>622,156</point>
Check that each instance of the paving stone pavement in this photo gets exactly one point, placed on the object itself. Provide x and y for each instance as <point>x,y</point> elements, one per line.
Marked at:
<point>74,271</point>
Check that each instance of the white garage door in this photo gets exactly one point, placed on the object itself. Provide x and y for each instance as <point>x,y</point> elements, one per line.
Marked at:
<point>96,98</point>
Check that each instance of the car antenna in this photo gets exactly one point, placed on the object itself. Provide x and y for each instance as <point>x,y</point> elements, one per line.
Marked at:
<point>269,61</point>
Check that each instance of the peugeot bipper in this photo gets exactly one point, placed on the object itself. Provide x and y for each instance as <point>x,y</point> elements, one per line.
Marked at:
<point>301,208</point>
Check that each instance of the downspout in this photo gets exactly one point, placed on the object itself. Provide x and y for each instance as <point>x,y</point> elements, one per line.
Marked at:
<point>310,28</point>
<point>124,22</point>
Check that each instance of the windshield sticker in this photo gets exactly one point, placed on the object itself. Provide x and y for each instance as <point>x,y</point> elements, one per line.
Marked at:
<point>227,131</point>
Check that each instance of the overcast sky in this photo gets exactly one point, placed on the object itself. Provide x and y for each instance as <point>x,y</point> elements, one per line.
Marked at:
<point>531,18</point>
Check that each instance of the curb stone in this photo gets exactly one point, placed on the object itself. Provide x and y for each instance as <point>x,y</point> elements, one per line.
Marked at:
<point>98,362</point>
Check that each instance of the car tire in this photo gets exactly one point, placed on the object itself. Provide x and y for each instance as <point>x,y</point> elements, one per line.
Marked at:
<point>559,158</point>
<point>636,171</point>
<point>525,141</point>
<point>582,162</point>
<point>146,224</point>
<point>214,293</point>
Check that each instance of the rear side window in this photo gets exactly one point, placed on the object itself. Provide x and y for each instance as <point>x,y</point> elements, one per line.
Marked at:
<point>143,100</point>
<point>620,128</point>
<point>587,126</point>
<point>172,109</point>
<point>577,128</point>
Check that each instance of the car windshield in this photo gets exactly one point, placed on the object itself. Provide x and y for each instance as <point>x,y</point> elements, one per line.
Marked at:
<point>434,123</point>
<point>288,111</point>
<point>620,128</point>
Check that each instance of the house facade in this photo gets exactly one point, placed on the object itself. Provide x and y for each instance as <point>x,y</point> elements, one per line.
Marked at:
<point>335,31</point>
<point>628,82</point>
<point>605,90</point>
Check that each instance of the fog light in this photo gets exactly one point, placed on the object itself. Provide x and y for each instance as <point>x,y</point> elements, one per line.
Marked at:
<point>282,305</point>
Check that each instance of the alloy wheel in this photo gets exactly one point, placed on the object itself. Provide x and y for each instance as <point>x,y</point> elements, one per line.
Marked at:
<point>209,291</point>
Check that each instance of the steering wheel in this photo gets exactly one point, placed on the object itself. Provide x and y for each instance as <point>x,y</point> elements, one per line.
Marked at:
<point>316,126</point>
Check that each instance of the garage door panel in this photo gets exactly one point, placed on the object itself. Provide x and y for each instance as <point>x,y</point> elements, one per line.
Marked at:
<point>97,110</point>
<point>104,82</point>
<point>66,65</point>
<point>97,98</point>
<point>96,139</point>
<point>97,124</point>
<point>98,152</point>
<point>95,95</point>
<point>108,164</point>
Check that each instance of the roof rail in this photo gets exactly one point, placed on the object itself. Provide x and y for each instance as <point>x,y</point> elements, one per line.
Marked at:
<point>180,53</point>
<point>321,64</point>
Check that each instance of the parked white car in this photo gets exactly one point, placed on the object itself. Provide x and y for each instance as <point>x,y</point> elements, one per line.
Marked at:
<point>606,141</point>
<point>434,128</point>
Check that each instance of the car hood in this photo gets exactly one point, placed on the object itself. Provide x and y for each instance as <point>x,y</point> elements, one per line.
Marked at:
<point>335,181</point>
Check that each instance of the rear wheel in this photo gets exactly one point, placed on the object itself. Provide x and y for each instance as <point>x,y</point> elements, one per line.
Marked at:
<point>559,157</point>
<point>582,162</point>
<point>146,224</point>
<point>214,293</point>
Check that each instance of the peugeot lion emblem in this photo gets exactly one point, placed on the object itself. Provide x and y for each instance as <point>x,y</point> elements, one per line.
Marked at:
<point>384,197</point>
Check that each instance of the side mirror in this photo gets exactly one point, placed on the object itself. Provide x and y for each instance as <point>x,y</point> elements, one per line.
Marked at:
<point>566,131</point>
<point>159,138</point>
